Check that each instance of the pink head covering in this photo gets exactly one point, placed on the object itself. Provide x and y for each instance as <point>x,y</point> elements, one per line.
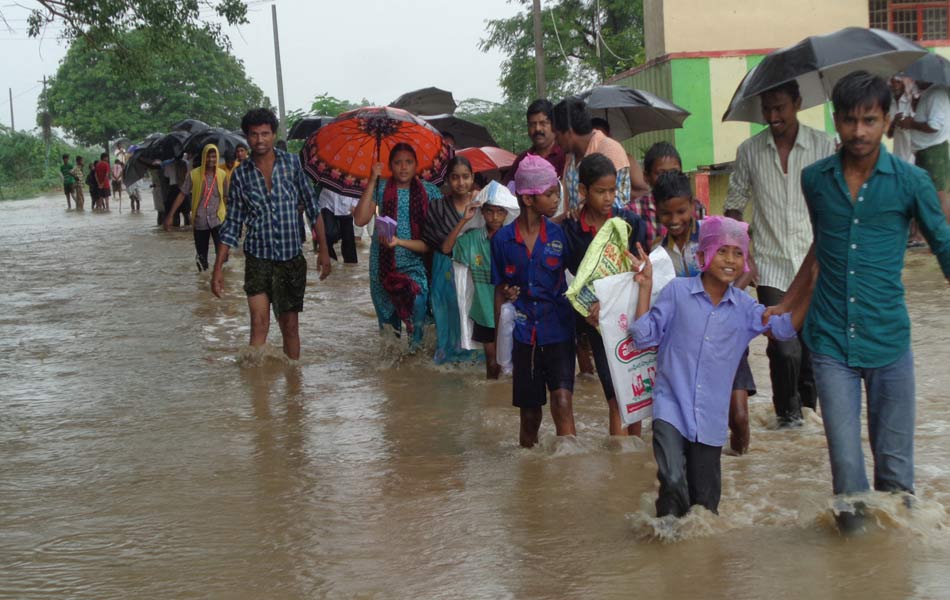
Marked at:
<point>716,232</point>
<point>535,175</point>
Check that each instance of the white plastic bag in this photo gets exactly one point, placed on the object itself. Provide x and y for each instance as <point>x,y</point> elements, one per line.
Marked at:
<point>505,336</point>
<point>465,290</point>
<point>633,370</point>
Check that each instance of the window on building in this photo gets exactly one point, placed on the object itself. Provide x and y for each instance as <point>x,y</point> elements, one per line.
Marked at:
<point>913,19</point>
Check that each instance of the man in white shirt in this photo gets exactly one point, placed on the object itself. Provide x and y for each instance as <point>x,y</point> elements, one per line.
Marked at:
<point>767,174</point>
<point>337,207</point>
<point>902,88</point>
<point>929,132</point>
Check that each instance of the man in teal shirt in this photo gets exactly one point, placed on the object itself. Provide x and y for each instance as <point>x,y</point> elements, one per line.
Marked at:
<point>861,201</point>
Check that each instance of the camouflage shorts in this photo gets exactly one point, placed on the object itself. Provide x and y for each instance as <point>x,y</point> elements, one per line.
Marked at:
<point>284,282</point>
<point>936,161</point>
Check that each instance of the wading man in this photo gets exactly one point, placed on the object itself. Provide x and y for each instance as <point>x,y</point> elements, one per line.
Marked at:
<point>861,201</point>
<point>767,174</point>
<point>264,194</point>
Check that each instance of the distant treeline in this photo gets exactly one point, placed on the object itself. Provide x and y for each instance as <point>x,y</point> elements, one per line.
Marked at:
<point>24,168</point>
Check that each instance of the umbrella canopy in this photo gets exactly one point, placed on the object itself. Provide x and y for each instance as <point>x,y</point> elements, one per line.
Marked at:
<point>306,126</point>
<point>427,101</point>
<point>932,68</point>
<point>466,133</point>
<point>488,158</point>
<point>817,63</point>
<point>137,166</point>
<point>190,125</point>
<point>226,141</point>
<point>149,140</point>
<point>629,111</point>
<point>168,146</point>
<point>342,153</point>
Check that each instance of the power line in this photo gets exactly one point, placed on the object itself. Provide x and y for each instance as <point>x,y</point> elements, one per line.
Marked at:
<point>558,37</point>
<point>23,93</point>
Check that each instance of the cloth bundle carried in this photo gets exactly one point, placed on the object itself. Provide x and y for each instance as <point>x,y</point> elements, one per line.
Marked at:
<point>607,255</point>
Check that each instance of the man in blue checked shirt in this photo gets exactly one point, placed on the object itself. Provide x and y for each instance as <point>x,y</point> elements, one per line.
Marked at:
<point>264,195</point>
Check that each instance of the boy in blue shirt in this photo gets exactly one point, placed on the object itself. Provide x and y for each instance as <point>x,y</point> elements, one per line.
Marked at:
<point>702,326</point>
<point>528,261</point>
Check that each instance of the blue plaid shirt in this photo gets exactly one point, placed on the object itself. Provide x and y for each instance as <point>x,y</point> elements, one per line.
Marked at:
<point>273,223</point>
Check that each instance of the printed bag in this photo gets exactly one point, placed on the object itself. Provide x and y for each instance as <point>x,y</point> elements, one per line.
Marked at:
<point>633,370</point>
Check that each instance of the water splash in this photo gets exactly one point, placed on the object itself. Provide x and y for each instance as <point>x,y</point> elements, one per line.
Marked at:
<point>697,523</point>
<point>251,357</point>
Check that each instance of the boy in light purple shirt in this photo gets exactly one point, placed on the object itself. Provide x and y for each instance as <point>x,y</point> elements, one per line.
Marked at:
<point>702,326</point>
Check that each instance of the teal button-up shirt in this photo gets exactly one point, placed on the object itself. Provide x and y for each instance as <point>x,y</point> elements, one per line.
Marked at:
<point>857,312</point>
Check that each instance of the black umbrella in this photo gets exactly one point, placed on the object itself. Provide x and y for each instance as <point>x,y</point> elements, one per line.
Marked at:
<point>138,166</point>
<point>226,141</point>
<point>427,101</point>
<point>149,140</point>
<point>190,125</point>
<point>932,68</point>
<point>466,133</point>
<point>307,125</point>
<point>629,111</point>
<point>817,63</point>
<point>166,147</point>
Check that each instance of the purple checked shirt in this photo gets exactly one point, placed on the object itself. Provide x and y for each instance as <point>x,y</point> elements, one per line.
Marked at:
<point>699,347</point>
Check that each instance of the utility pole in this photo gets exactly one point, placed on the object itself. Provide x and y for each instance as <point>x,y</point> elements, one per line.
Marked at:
<point>282,130</point>
<point>12,126</point>
<point>539,52</point>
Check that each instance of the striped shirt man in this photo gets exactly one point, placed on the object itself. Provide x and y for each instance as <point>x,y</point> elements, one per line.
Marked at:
<point>780,221</point>
<point>272,217</point>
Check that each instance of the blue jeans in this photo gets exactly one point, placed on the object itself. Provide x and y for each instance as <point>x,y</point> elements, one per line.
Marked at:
<point>891,404</point>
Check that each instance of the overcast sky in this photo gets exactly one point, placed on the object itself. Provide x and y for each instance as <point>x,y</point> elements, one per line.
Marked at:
<point>351,49</point>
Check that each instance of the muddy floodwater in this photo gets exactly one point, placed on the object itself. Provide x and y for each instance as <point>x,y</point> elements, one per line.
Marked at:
<point>146,453</point>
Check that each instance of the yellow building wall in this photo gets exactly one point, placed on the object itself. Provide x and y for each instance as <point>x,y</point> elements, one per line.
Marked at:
<point>708,25</point>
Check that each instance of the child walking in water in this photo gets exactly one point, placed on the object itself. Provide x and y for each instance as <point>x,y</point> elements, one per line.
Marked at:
<point>444,215</point>
<point>398,282</point>
<point>597,187</point>
<point>674,202</point>
<point>701,325</point>
<point>473,249</point>
<point>528,259</point>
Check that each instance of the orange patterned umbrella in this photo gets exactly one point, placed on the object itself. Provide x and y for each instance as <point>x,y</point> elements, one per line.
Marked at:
<point>341,154</point>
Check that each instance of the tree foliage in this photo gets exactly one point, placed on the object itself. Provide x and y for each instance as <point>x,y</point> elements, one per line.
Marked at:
<point>506,122</point>
<point>28,157</point>
<point>93,101</point>
<point>165,23</point>
<point>569,31</point>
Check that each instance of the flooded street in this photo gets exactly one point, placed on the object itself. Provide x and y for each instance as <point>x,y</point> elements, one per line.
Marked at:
<point>146,453</point>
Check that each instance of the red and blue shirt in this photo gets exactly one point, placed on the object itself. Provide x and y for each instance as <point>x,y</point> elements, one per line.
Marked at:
<point>543,314</point>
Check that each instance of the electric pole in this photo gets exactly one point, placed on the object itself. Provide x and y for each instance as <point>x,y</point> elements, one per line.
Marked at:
<point>282,130</point>
<point>12,126</point>
<point>539,52</point>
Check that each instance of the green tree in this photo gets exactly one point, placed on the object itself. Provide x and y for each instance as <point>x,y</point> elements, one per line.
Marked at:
<point>94,101</point>
<point>323,105</point>
<point>506,122</point>
<point>573,58</point>
<point>29,164</point>
<point>165,23</point>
